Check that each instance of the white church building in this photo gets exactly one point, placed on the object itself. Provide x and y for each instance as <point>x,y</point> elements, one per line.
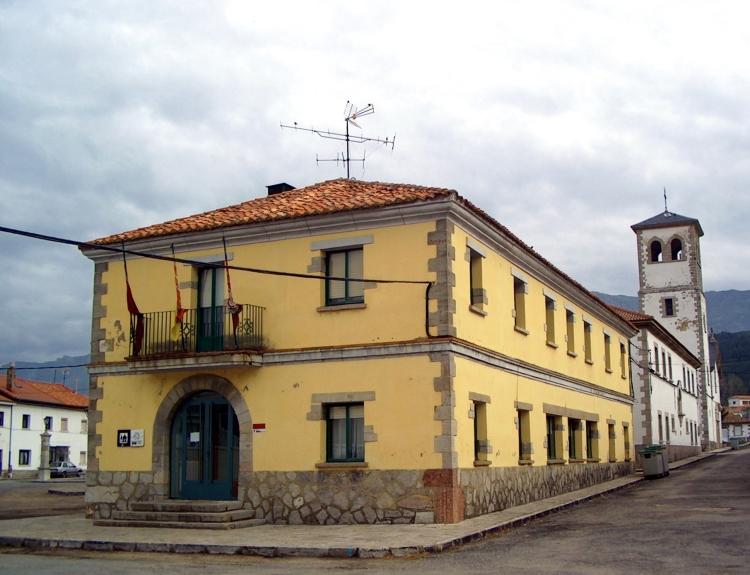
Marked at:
<point>671,291</point>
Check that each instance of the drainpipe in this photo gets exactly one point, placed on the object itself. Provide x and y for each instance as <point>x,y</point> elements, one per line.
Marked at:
<point>10,379</point>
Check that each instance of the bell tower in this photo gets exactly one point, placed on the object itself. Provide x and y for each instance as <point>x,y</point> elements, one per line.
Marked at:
<point>671,290</point>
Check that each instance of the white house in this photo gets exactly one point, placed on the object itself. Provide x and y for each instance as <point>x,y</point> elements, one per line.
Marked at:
<point>739,400</point>
<point>666,410</point>
<point>27,409</point>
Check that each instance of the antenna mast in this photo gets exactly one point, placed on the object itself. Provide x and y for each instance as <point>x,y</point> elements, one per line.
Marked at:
<point>351,114</point>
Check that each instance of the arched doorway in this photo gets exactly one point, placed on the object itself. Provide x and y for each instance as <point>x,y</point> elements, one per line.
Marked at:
<point>204,448</point>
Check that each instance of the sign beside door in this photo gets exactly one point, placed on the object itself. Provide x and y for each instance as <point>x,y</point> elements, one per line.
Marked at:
<point>131,437</point>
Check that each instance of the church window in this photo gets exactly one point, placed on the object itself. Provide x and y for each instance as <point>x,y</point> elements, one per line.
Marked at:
<point>668,307</point>
<point>676,246</point>
<point>656,251</point>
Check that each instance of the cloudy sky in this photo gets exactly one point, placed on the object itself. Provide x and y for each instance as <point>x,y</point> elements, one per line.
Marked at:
<point>564,120</point>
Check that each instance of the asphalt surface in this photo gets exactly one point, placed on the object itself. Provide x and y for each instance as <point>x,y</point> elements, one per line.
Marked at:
<point>694,521</point>
<point>22,498</point>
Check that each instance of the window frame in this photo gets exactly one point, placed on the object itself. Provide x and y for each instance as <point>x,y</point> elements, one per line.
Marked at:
<point>524,435</point>
<point>24,457</point>
<point>607,352</point>
<point>575,451</point>
<point>25,421</point>
<point>349,447</point>
<point>587,348</point>
<point>48,422</point>
<point>520,289</point>
<point>549,320</point>
<point>570,335</point>
<point>347,299</point>
<point>669,307</point>
<point>592,441</point>
<point>2,419</point>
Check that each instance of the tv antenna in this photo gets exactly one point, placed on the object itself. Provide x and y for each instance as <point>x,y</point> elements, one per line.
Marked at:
<point>351,114</point>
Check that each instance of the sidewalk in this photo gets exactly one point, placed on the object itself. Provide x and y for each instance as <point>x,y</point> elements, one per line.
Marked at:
<point>365,541</point>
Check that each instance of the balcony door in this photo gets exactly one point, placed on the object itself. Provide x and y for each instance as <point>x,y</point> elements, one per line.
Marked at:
<point>205,449</point>
<point>210,309</point>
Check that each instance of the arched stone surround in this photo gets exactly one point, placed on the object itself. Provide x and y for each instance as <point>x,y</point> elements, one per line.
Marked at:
<point>163,423</point>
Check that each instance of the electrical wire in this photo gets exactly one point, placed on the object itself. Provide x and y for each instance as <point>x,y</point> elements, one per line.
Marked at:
<point>221,265</point>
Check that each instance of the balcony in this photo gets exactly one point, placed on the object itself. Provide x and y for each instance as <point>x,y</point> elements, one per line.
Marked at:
<point>202,330</point>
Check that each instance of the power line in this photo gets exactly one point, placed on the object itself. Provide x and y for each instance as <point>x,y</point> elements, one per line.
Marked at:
<point>7,367</point>
<point>222,265</point>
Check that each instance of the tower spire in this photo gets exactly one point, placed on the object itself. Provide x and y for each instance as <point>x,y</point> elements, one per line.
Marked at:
<point>666,211</point>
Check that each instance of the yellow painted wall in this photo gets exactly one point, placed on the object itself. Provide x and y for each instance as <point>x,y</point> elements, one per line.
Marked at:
<point>503,390</point>
<point>495,330</point>
<point>394,312</point>
<point>280,396</point>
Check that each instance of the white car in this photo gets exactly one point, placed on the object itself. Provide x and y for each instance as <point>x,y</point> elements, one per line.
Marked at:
<point>65,469</point>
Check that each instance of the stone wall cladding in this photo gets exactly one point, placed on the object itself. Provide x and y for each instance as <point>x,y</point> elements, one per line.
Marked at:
<point>492,489</point>
<point>442,266</point>
<point>109,491</point>
<point>372,496</point>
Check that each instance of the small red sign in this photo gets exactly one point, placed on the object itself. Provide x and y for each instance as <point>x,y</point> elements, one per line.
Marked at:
<point>258,427</point>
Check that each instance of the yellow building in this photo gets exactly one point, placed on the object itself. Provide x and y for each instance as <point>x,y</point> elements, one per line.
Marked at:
<point>413,362</point>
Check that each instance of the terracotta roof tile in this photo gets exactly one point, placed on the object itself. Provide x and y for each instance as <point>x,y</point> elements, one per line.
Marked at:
<point>27,390</point>
<point>328,197</point>
<point>630,315</point>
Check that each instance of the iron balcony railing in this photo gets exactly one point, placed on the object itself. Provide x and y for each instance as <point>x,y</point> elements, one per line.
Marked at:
<point>201,330</point>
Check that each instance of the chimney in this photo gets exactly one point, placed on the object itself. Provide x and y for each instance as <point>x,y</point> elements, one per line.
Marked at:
<point>10,377</point>
<point>278,188</point>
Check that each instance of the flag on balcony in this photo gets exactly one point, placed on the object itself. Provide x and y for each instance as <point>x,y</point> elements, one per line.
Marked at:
<point>180,313</point>
<point>136,317</point>
<point>234,309</point>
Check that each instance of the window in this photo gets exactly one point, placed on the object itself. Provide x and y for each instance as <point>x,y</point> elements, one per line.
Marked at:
<point>574,439</point>
<point>668,307</point>
<point>607,353</point>
<point>676,248</point>
<point>82,456</point>
<point>2,419</point>
<point>26,421</point>
<point>480,431</point>
<point>64,424</point>
<point>612,438</point>
<point>345,432</point>
<point>661,434</point>
<point>524,435</point>
<point>48,423</point>
<point>623,361</point>
<point>592,440</point>
<point>554,437</point>
<point>587,341</point>
<point>549,310</point>
<point>570,335</point>
<point>669,363</point>
<point>656,358</point>
<point>84,426</point>
<point>674,429</point>
<point>476,292</point>
<point>656,251</point>
<point>24,457</point>
<point>519,303</point>
<point>626,440</point>
<point>344,264</point>
<point>666,426</point>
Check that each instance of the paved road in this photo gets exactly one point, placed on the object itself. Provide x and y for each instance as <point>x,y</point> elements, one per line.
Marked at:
<point>695,521</point>
<point>20,498</point>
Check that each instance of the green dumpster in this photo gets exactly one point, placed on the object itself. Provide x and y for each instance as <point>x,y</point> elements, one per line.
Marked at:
<point>655,462</point>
